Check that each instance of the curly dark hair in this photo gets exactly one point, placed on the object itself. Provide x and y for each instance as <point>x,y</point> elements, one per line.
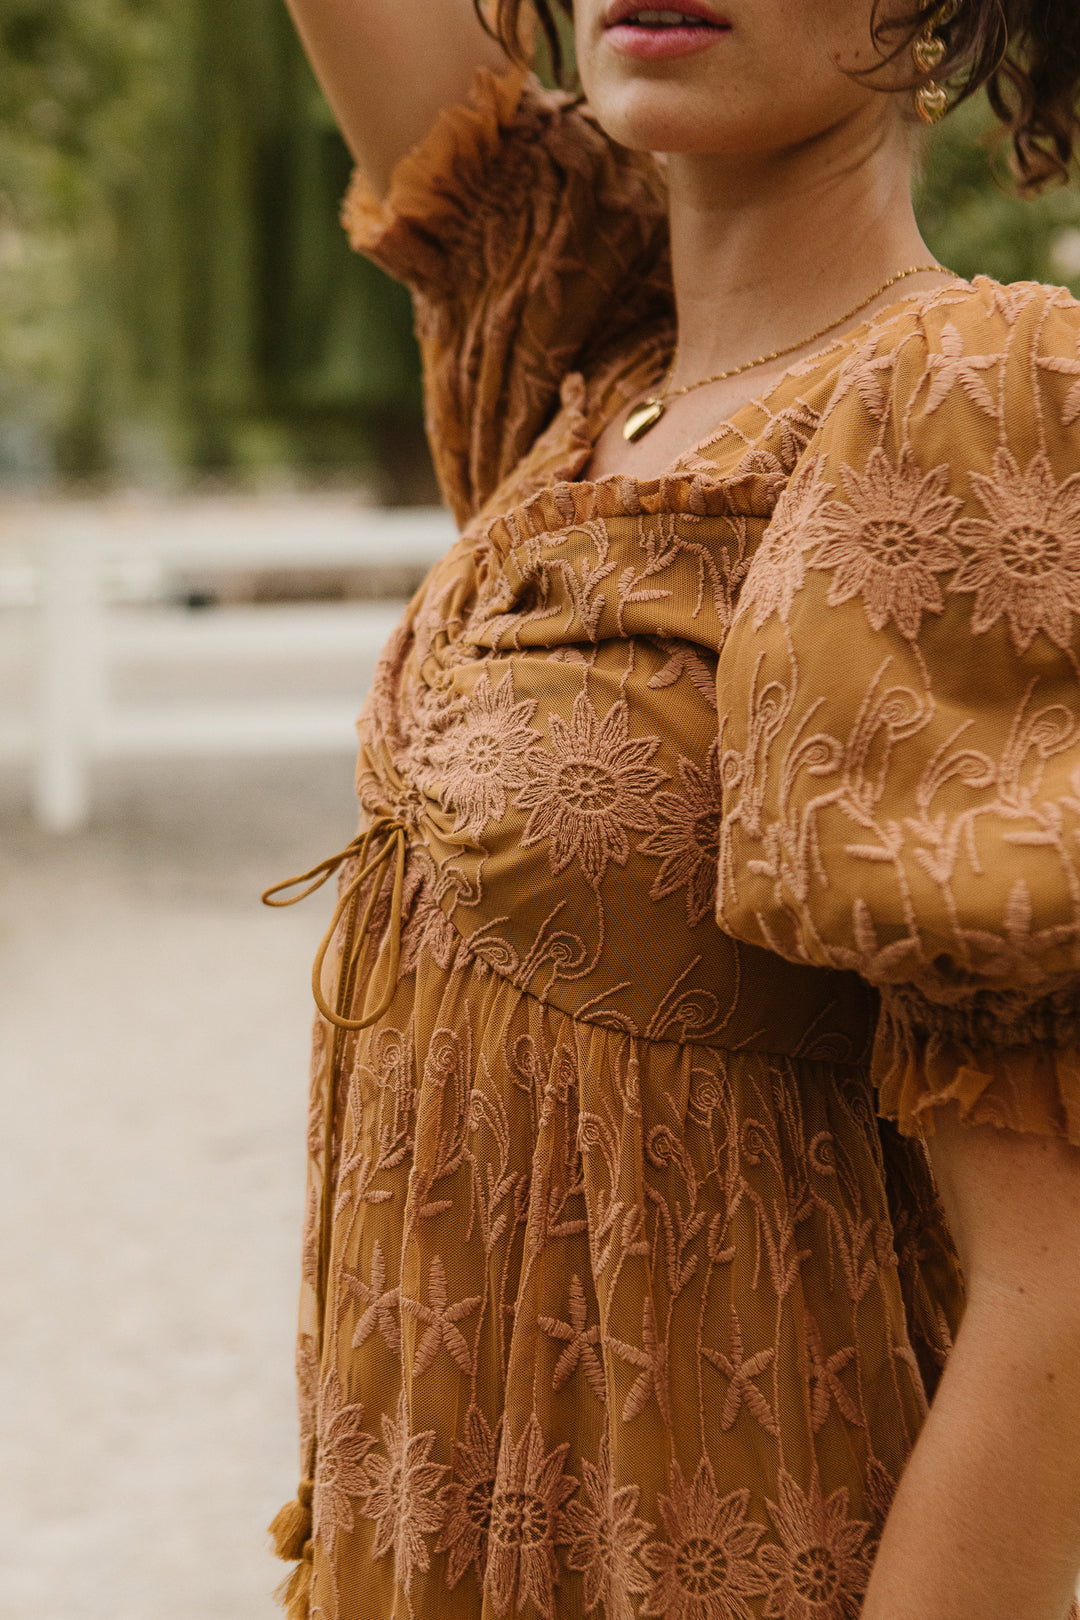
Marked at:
<point>1026,53</point>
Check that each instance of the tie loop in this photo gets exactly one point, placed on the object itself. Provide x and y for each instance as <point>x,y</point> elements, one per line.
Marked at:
<point>389,837</point>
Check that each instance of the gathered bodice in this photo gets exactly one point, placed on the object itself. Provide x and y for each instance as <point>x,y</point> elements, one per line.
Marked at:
<point>545,720</point>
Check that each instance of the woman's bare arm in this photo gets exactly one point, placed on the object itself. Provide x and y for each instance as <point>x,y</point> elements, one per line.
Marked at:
<point>388,67</point>
<point>986,1523</point>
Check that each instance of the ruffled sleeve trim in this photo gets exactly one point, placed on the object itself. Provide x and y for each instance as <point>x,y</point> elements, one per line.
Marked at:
<point>412,231</point>
<point>1002,1060</point>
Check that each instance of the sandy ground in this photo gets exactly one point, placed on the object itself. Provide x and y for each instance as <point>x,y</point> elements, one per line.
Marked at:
<point>153,1033</point>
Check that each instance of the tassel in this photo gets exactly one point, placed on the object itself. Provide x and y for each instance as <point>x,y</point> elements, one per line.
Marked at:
<point>291,1529</point>
<point>294,1594</point>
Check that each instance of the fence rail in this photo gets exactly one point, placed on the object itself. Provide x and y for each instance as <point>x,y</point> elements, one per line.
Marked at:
<point>88,589</point>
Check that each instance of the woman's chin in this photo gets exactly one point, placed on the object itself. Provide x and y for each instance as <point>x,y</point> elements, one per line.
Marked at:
<point>724,120</point>
<point>664,117</point>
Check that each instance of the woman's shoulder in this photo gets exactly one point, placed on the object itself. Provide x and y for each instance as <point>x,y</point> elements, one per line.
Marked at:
<point>996,320</point>
<point>942,371</point>
<point>1000,324</point>
<point>971,309</point>
<point>958,377</point>
<point>953,422</point>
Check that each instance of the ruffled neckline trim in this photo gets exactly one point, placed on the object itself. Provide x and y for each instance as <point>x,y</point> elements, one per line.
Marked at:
<point>564,505</point>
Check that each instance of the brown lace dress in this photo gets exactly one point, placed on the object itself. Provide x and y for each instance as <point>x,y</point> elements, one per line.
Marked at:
<point>626,1301</point>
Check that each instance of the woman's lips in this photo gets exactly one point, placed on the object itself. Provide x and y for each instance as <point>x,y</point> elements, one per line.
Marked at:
<point>650,35</point>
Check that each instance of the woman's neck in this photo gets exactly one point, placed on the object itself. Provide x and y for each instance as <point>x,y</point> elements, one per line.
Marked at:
<point>767,249</point>
<point>767,252</point>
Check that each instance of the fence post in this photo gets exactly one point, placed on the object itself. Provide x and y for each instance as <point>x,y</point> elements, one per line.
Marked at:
<point>67,647</point>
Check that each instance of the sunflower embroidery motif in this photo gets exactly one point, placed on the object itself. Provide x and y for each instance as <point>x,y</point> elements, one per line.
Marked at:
<point>399,1496</point>
<point>604,1541</point>
<point>1024,563</point>
<point>778,570</point>
<point>525,1524</point>
<point>886,542</point>
<point>590,790</point>
<point>688,838</point>
<point>466,1502</point>
<point>820,1569</point>
<point>339,1466</point>
<point>481,756</point>
<point>705,1570</point>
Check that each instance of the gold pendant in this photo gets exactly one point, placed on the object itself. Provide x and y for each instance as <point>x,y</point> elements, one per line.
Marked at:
<point>641,419</point>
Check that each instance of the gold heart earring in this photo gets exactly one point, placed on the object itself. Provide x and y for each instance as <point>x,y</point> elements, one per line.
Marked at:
<point>931,99</point>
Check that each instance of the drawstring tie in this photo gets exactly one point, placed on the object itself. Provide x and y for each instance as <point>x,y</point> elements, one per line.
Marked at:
<point>394,841</point>
<point>383,844</point>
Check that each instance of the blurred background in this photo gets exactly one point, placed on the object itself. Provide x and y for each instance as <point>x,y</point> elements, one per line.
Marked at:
<point>214,496</point>
<point>178,303</point>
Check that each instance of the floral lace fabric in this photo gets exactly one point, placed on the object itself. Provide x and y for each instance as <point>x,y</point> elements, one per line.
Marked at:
<point>635,1305</point>
<point>912,811</point>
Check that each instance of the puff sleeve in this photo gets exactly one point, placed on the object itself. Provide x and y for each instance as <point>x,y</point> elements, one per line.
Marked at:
<point>900,708</point>
<point>529,241</point>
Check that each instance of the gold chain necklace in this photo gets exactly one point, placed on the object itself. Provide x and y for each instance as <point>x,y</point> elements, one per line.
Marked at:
<point>646,415</point>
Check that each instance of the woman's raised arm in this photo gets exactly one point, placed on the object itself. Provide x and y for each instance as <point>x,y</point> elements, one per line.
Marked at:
<point>388,67</point>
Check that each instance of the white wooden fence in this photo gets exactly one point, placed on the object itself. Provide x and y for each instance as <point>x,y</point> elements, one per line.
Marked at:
<point>68,572</point>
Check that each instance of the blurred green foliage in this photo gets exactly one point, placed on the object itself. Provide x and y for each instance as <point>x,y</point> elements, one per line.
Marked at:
<point>176,296</point>
<point>973,219</point>
<point>177,300</point>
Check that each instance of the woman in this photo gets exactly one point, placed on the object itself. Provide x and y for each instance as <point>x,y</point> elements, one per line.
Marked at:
<point>720,791</point>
